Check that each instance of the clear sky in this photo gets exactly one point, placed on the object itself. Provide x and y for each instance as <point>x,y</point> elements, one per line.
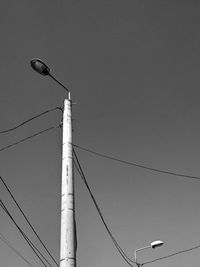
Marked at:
<point>133,70</point>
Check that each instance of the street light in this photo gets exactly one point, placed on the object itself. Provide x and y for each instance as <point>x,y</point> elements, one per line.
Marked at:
<point>40,67</point>
<point>68,244</point>
<point>154,244</point>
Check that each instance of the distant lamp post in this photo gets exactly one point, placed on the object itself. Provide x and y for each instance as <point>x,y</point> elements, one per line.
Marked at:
<point>154,244</point>
<point>40,67</point>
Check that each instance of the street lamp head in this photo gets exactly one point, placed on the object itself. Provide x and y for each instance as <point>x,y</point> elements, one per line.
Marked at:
<point>156,244</point>
<point>40,67</point>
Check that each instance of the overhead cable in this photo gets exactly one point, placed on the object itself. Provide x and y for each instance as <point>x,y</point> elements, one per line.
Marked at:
<point>136,164</point>
<point>129,261</point>
<point>29,137</point>
<point>171,255</point>
<point>11,246</point>
<point>25,217</point>
<point>30,119</point>
<point>32,246</point>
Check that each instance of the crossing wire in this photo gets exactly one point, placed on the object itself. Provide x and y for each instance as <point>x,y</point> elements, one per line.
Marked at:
<point>29,137</point>
<point>171,255</point>
<point>136,164</point>
<point>32,246</point>
<point>129,261</point>
<point>30,119</point>
<point>27,220</point>
<point>11,246</point>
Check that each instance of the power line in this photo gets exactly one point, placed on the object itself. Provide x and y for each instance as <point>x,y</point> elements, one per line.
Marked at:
<point>171,255</point>
<point>35,250</point>
<point>136,165</point>
<point>25,217</point>
<point>30,119</point>
<point>122,253</point>
<point>120,250</point>
<point>29,137</point>
<point>32,246</point>
<point>11,246</point>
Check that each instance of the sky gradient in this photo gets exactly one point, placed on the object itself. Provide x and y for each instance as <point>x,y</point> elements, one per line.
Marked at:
<point>133,70</point>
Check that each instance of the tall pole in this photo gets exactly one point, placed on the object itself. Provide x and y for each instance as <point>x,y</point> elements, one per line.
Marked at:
<point>68,227</point>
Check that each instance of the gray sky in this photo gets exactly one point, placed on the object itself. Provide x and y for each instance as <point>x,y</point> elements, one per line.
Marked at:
<point>133,69</point>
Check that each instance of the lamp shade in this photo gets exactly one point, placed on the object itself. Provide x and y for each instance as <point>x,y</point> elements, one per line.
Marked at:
<point>40,67</point>
<point>156,244</point>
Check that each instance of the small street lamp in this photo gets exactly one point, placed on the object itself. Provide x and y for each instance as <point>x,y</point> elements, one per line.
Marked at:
<point>40,67</point>
<point>153,245</point>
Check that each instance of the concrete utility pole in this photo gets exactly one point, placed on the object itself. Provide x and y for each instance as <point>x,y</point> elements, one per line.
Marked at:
<point>68,228</point>
<point>68,242</point>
